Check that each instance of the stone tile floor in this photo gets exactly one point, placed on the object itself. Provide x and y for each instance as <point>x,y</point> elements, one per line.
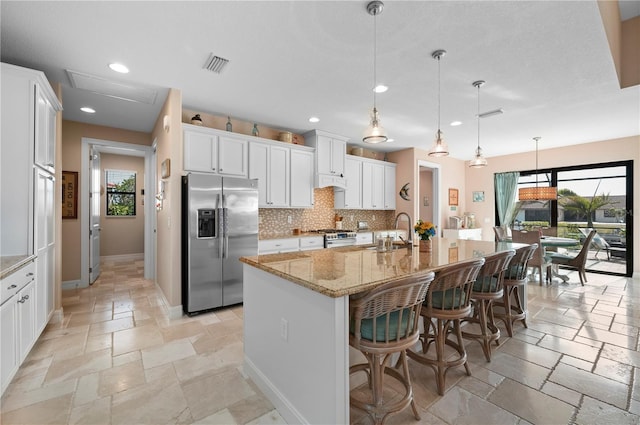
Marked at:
<point>116,358</point>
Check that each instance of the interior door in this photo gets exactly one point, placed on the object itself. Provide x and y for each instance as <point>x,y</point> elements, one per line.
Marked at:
<point>94,215</point>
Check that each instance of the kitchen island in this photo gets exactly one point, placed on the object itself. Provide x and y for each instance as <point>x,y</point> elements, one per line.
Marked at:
<point>296,310</point>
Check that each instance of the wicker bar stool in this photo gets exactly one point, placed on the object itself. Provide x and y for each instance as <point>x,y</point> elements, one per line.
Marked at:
<point>383,322</point>
<point>447,302</point>
<point>486,289</point>
<point>514,307</point>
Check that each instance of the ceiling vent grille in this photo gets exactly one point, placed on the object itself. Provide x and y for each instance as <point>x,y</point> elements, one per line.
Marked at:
<point>215,63</point>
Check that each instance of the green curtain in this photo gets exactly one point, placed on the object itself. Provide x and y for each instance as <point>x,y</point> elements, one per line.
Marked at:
<point>506,191</point>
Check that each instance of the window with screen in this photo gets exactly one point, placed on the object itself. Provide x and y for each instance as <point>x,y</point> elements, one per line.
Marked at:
<point>121,193</point>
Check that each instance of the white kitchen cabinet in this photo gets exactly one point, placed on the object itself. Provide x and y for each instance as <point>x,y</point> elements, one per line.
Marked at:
<point>214,151</point>
<point>44,242</point>
<point>389,186</point>
<point>364,238</point>
<point>301,178</point>
<point>311,242</point>
<point>29,108</point>
<point>270,165</point>
<point>9,362</point>
<point>17,320</point>
<point>331,150</point>
<point>45,124</point>
<point>351,196</point>
<point>469,234</point>
<point>273,246</point>
<point>372,186</point>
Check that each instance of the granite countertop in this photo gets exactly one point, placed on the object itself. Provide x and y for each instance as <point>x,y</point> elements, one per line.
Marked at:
<point>337,272</point>
<point>11,263</point>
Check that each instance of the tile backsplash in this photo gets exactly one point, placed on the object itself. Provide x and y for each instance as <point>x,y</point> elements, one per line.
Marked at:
<point>275,221</point>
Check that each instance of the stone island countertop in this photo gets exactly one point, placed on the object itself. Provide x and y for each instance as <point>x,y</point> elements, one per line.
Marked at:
<point>349,270</point>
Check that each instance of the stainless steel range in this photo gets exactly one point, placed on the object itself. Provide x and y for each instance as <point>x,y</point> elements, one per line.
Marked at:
<point>334,238</point>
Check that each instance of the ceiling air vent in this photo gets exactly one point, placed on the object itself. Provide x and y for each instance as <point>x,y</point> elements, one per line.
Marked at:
<point>215,63</point>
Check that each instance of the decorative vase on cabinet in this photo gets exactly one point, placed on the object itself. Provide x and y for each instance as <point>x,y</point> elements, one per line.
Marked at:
<point>425,245</point>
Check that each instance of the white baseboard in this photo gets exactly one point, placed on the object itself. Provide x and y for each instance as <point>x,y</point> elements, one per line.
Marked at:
<point>288,412</point>
<point>174,312</point>
<point>56,316</point>
<point>137,256</point>
<point>73,284</point>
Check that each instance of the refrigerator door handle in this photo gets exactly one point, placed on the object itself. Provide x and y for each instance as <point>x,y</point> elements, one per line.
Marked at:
<point>225,236</point>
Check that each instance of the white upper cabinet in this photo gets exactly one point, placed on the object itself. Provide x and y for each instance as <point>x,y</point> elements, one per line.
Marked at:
<point>331,150</point>
<point>45,130</point>
<point>207,150</point>
<point>270,165</point>
<point>389,186</point>
<point>370,185</point>
<point>301,178</point>
<point>351,196</point>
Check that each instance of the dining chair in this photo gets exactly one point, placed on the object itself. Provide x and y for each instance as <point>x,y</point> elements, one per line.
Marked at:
<point>502,233</point>
<point>384,322</point>
<point>539,260</point>
<point>487,288</point>
<point>448,301</point>
<point>577,262</point>
<point>513,306</point>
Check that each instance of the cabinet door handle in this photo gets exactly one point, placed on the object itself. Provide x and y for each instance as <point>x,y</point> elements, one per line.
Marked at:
<point>29,274</point>
<point>12,286</point>
<point>50,178</point>
<point>50,164</point>
<point>23,299</point>
<point>221,170</point>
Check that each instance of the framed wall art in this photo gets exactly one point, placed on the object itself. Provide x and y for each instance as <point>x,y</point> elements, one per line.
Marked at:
<point>478,196</point>
<point>453,196</point>
<point>70,194</point>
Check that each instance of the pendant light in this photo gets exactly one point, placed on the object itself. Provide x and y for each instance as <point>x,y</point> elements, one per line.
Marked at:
<point>439,147</point>
<point>374,133</point>
<point>544,193</point>
<point>479,161</point>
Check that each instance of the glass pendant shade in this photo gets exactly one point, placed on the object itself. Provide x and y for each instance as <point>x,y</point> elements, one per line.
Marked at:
<point>375,133</point>
<point>479,161</point>
<point>440,147</point>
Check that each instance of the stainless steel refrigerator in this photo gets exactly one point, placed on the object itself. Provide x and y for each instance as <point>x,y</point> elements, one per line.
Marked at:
<point>219,225</point>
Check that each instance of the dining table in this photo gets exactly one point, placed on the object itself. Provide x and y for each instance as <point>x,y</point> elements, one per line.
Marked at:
<point>296,317</point>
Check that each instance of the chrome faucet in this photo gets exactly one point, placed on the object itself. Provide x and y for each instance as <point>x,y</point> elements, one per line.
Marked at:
<point>409,241</point>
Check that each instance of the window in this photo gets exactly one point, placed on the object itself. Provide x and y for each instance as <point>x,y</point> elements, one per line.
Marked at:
<point>121,193</point>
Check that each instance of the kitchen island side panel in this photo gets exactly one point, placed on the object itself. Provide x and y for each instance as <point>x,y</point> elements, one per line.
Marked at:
<point>296,348</point>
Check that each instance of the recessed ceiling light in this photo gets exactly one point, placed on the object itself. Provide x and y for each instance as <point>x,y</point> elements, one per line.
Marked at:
<point>380,88</point>
<point>88,110</point>
<point>118,67</point>
<point>391,140</point>
<point>455,123</point>
<point>314,119</point>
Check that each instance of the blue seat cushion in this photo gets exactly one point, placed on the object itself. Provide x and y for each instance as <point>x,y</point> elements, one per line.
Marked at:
<point>485,284</point>
<point>561,258</point>
<point>513,271</point>
<point>366,328</point>
<point>447,300</point>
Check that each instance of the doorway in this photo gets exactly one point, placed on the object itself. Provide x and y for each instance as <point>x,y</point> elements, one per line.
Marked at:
<point>428,203</point>
<point>90,146</point>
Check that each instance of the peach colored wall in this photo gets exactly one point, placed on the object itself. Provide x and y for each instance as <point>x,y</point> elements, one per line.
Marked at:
<point>122,235</point>
<point>589,153</point>
<point>169,145</point>
<point>610,14</point>
<point>72,134</point>
<point>630,52</point>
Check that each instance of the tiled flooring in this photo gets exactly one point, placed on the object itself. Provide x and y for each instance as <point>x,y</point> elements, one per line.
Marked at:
<point>116,358</point>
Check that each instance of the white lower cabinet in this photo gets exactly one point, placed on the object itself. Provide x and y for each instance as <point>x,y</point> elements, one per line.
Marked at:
<point>275,246</point>
<point>311,242</point>
<point>364,238</point>
<point>469,234</point>
<point>18,331</point>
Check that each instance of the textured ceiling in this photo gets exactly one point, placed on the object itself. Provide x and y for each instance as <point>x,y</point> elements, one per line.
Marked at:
<point>546,63</point>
